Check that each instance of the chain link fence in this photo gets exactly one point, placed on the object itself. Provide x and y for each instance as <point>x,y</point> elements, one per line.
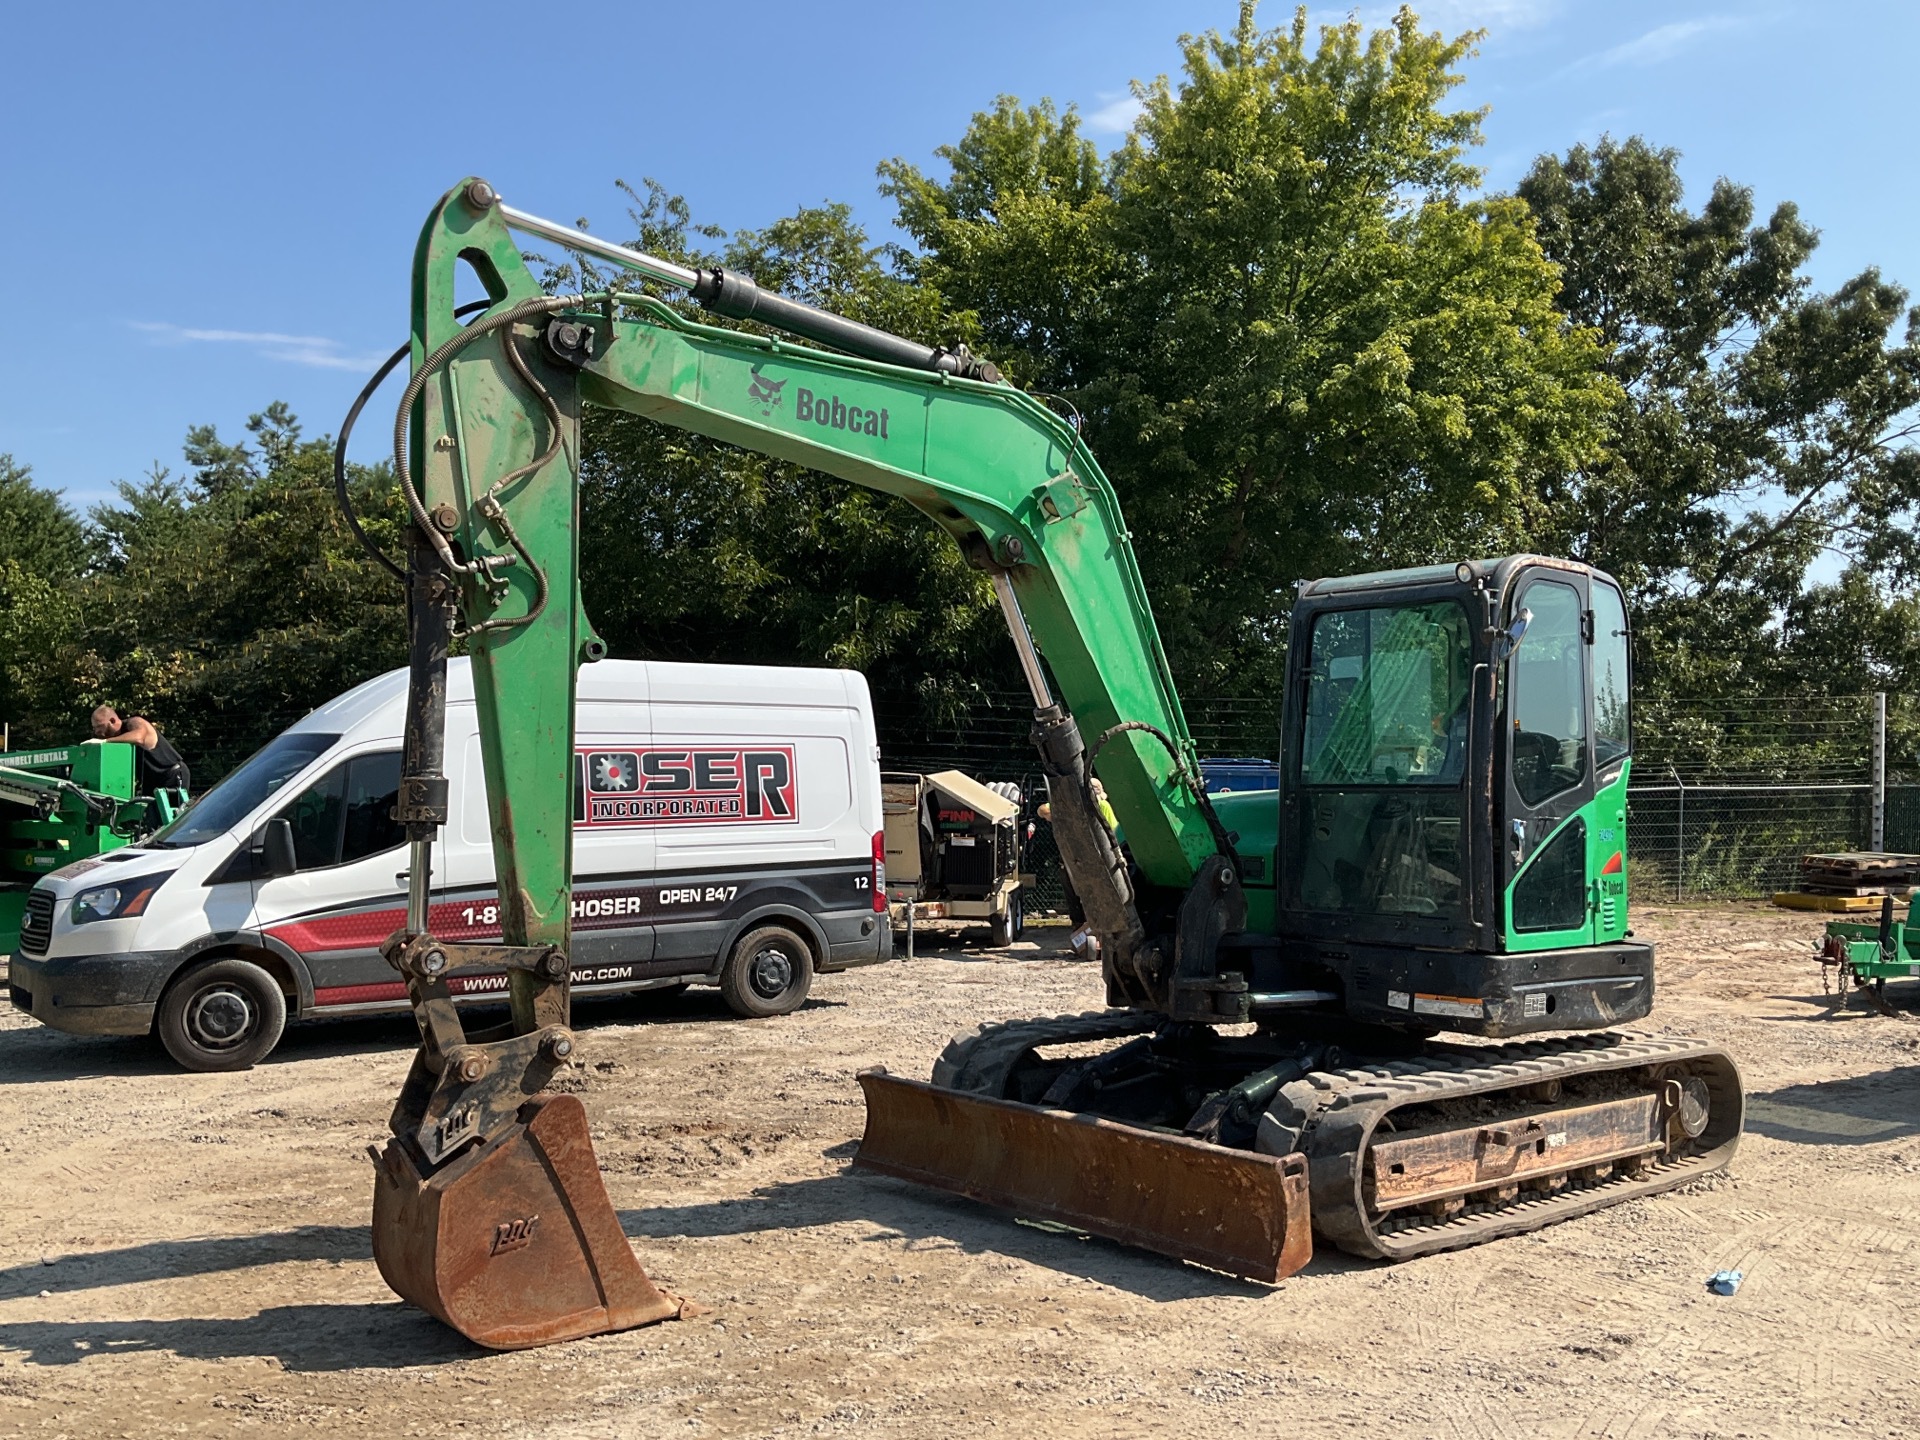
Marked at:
<point>989,741</point>
<point>1726,796</point>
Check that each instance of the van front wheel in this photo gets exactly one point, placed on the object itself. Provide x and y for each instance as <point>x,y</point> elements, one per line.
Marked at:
<point>768,973</point>
<point>223,1014</point>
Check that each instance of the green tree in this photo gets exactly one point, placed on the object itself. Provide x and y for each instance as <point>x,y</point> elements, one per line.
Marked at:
<point>36,528</point>
<point>235,606</point>
<point>1758,425</point>
<point>1300,343</point>
<point>43,548</point>
<point>1020,235</point>
<point>39,623</point>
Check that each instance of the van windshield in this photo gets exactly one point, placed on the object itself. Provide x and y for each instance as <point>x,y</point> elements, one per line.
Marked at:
<point>234,798</point>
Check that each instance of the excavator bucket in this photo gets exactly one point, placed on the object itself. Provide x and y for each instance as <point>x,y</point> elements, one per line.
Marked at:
<point>515,1243</point>
<point>1230,1210</point>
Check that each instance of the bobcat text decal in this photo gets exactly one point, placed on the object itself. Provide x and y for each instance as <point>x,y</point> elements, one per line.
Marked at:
<point>687,786</point>
<point>833,413</point>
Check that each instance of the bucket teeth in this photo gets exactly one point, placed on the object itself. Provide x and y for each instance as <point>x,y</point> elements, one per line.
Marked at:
<point>514,1243</point>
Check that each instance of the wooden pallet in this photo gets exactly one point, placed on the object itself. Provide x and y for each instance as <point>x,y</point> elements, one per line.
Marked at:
<point>1861,863</point>
<point>1840,904</point>
<point>1864,876</point>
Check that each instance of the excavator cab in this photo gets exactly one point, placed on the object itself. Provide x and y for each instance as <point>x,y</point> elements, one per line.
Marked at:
<point>1451,848</point>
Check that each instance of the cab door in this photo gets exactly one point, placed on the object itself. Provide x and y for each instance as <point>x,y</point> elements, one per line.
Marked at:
<point>1550,828</point>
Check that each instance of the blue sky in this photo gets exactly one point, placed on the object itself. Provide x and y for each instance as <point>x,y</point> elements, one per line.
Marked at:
<point>211,206</point>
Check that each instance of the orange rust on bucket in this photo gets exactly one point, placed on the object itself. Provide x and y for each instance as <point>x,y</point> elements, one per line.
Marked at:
<point>514,1243</point>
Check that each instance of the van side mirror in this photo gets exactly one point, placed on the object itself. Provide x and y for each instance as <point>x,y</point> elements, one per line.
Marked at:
<point>276,848</point>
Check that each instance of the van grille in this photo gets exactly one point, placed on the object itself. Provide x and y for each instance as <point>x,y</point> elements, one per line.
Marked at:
<point>36,926</point>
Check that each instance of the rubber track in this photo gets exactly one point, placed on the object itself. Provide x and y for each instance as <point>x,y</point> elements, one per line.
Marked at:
<point>1354,1101</point>
<point>1357,1100</point>
<point>980,1061</point>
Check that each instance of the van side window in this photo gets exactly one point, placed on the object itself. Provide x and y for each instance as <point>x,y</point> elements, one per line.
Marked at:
<point>315,816</point>
<point>373,788</point>
<point>346,814</point>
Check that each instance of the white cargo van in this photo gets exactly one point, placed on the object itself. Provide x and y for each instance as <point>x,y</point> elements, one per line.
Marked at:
<point>727,830</point>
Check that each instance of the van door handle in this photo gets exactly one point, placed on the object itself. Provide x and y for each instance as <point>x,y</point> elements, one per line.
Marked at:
<point>401,879</point>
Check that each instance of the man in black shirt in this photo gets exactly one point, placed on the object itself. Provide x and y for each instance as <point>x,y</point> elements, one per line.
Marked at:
<point>157,765</point>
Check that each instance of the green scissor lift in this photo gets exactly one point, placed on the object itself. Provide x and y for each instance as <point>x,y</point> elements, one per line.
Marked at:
<point>65,804</point>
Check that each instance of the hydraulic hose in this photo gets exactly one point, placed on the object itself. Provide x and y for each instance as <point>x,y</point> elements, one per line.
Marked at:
<point>1221,839</point>
<point>453,345</point>
<point>346,432</point>
<point>496,513</point>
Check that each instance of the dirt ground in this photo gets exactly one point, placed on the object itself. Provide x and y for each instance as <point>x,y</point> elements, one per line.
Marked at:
<point>188,1254</point>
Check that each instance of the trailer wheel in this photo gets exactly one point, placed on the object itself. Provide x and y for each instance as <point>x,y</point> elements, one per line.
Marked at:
<point>769,973</point>
<point>223,1014</point>
<point>1009,925</point>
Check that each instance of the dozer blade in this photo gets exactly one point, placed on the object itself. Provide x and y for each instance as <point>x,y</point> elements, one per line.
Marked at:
<point>515,1243</point>
<point>1230,1210</point>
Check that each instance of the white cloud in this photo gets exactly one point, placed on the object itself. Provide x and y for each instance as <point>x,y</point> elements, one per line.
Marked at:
<point>1663,42</point>
<point>314,350</point>
<point>1116,116</point>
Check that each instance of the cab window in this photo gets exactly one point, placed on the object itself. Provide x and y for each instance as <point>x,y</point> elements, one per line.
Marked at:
<point>1548,747</point>
<point>1612,735</point>
<point>1383,761</point>
<point>1387,697</point>
<point>1551,893</point>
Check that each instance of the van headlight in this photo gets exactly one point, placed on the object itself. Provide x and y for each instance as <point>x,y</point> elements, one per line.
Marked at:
<point>116,902</point>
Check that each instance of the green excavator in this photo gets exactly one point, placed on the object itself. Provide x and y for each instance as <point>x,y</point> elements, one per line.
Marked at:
<point>1300,984</point>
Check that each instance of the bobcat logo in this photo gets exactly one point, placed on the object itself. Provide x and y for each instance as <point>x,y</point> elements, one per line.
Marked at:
<point>766,391</point>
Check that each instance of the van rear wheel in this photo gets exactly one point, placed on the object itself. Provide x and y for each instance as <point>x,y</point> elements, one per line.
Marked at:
<point>768,973</point>
<point>223,1014</point>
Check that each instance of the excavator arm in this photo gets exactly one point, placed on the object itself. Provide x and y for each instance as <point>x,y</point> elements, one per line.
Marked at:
<point>487,445</point>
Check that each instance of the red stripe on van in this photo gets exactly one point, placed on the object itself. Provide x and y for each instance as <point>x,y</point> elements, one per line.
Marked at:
<point>360,994</point>
<point>363,930</point>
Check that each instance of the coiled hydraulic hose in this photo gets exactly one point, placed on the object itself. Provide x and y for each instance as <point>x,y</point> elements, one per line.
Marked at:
<point>340,491</point>
<point>1182,772</point>
<point>453,345</point>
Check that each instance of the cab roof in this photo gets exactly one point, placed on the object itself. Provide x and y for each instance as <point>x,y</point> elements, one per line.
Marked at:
<point>1497,570</point>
